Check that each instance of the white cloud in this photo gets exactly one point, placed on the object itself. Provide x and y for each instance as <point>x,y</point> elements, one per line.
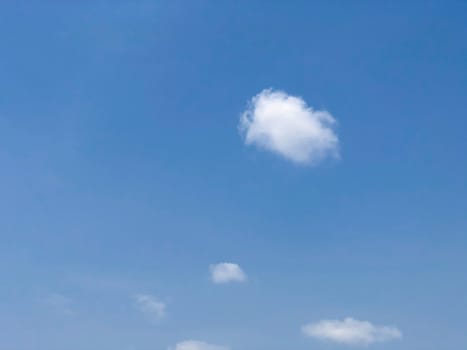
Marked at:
<point>150,305</point>
<point>227,272</point>
<point>284,124</point>
<point>197,345</point>
<point>59,303</point>
<point>351,332</point>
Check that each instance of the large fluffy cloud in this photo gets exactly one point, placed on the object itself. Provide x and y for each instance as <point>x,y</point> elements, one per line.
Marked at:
<point>351,332</point>
<point>284,124</point>
<point>227,272</point>
<point>150,306</point>
<point>197,345</point>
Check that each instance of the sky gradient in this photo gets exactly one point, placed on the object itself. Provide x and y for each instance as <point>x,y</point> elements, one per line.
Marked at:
<point>126,176</point>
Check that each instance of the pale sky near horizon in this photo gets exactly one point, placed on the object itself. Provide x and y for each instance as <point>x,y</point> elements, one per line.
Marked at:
<point>233,175</point>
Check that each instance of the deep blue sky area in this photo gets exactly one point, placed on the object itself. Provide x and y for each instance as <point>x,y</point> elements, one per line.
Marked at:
<point>123,172</point>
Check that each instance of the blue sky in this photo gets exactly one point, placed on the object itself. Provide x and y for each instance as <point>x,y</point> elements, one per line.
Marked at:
<point>126,175</point>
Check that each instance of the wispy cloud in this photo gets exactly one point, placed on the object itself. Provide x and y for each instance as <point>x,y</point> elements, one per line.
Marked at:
<point>150,306</point>
<point>286,125</point>
<point>59,303</point>
<point>227,272</point>
<point>197,345</point>
<point>351,332</point>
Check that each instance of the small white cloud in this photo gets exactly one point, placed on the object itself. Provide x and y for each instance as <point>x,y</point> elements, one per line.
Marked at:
<point>286,125</point>
<point>351,332</point>
<point>150,305</point>
<point>197,345</point>
<point>227,272</point>
<point>59,303</point>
